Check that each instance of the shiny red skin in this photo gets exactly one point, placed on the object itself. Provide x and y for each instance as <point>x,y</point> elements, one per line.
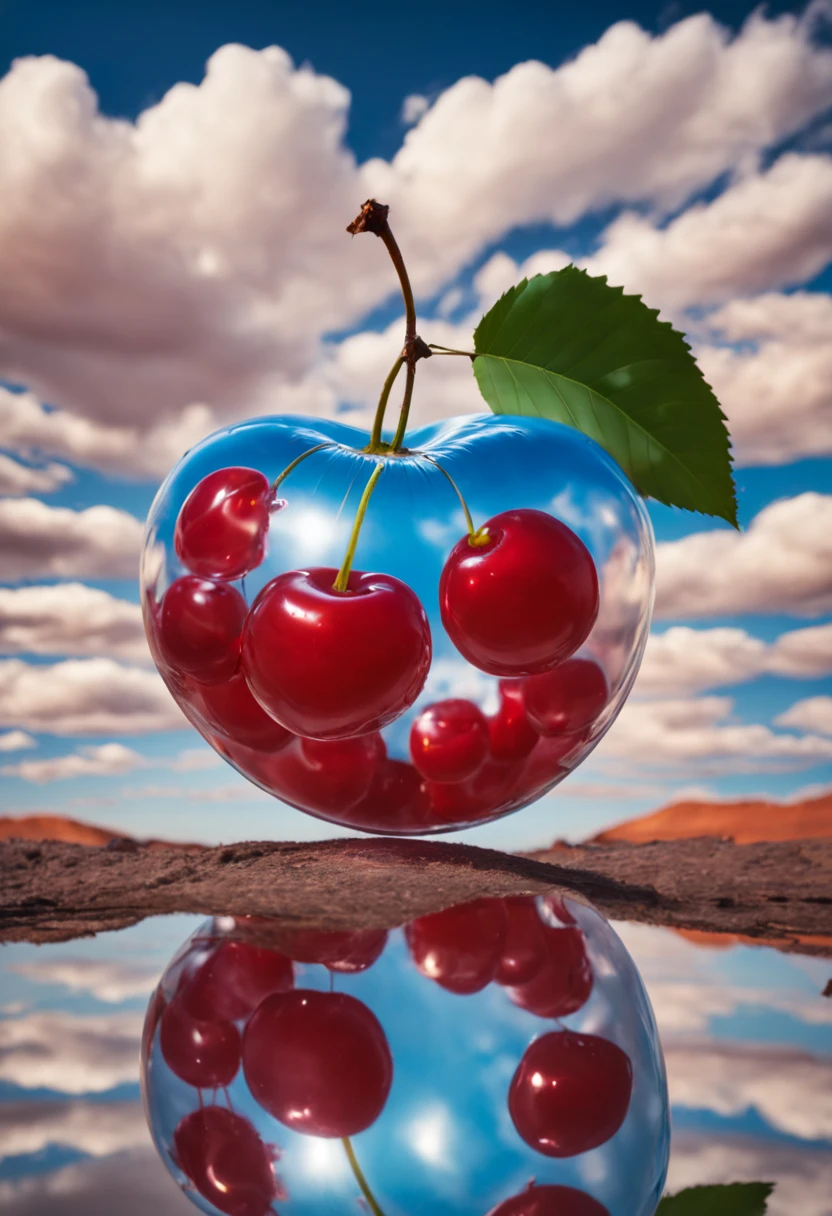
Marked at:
<point>568,699</point>
<point>200,629</point>
<point>523,602</point>
<point>203,1054</point>
<point>365,949</point>
<point>226,1161</point>
<point>221,528</point>
<point>457,802</point>
<point>322,776</point>
<point>550,1201</point>
<point>570,1093</point>
<point>338,950</point>
<point>318,1061</point>
<point>233,980</point>
<point>511,735</point>
<point>562,985</point>
<point>524,953</point>
<point>331,664</point>
<point>397,801</point>
<point>449,740</point>
<point>231,709</point>
<point>460,948</point>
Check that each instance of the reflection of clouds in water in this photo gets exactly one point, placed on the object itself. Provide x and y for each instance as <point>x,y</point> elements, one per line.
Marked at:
<point>132,1184</point>
<point>95,1128</point>
<point>431,1136</point>
<point>73,1054</point>
<point>803,1176</point>
<point>108,980</point>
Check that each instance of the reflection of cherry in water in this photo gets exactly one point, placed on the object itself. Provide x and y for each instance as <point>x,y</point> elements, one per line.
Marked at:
<point>226,1161</point>
<point>524,953</point>
<point>221,528</point>
<point>564,981</point>
<point>337,950</point>
<point>318,1061</point>
<point>233,981</point>
<point>461,947</point>
<point>570,1093</point>
<point>449,740</point>
<point>200,627</point>
<point>203,1054</point>
<point>550,1201</point>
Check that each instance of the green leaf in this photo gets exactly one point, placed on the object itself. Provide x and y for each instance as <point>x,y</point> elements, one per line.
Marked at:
<point>738,1199</point>
<point>569,347</point>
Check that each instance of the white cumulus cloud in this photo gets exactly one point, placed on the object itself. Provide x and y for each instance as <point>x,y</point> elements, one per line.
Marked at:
<point>37,540</point>
<point>110,759</point>
<point>813,713</point>
<point>70,619</point>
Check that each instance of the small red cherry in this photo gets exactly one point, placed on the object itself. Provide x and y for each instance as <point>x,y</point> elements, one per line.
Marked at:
<point>570,1093</point>
<point>338,950</point>
<point>568,699</point>
<point>330,664</point>
<point>461,947</point>
<point>318,1061</point>
<point>562,985</point>
<point>397,801</point>
<point>550,1201</point>
<point>222,526</point>
<point>364,950</point>
<point>231,709</point>
<point>524,953</point>
<point>233,980</point>
<point>200,628</point>
<point>512,736</point>
<point>449,740</point>
<point>227,1162</point>
<point>203,1054</point>
<point>524,600</point>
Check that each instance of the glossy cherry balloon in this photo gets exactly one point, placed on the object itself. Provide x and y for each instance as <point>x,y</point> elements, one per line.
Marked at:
<point>570,1093</point>
<point>233,980</point>
<point>524,953</point>
<point>231,709</point>
<point>525,600</point>
<point>563,983</point>
<point>221,528</point>
<point>200,629</point>
<point>449,740</point>
<point>330,664</point>
<point>201,1053</point>
<point>226,1161</point>
<point>318,1061</point>
<point>550,1201</point>
<point>461,947</point>
<point>511,735</point>
<point>566,700</point>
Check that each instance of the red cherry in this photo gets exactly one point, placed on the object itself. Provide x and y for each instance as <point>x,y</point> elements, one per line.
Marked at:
<point>461,947</point>
<point>233,981</point>
<point>200,628</point>
<point>397,801</point>
<point>231,709</point>
<point>570,1093</point>
<point>563,983</point>
<point>227,1162</point>
<point>525,600</point>
<point>524,953</point>
<point>329,664</point>
<point>449,740</point>
<point>566,700</point>
<point>338,950</point>
<point>318,1061</point>
<point>512,736</point>
<point>366,947</point>
<point>221,529</point>
<point>550,1201</point>
<point>458,802</point>
<point>203,1054</point>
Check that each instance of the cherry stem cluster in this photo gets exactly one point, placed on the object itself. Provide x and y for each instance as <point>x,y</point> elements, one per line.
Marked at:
<point>359,1177</point>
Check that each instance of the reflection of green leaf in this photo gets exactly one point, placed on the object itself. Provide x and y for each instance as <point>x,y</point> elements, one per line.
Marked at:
<point>739,1199</point>
<point>569,347</point>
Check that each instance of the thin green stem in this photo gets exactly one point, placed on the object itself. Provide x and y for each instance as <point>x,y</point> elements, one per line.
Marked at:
<point>449,350</point>
<point>405,410</point>
<point>477,537</point>
<point>407,291</point>
<point>298,460</point>
<point>375,444</point>
<point>342,581</point>
<point>359,1177</point>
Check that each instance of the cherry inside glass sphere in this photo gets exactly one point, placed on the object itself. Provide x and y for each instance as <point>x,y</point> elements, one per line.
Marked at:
<point>318,1061</point>
<point>525,600</point>
<point>221,528</point>
<point>460,948</point>
<point>570,1093</point>
<point>231,709</point>
<point>563,983</point>
<point>524,953</point>
<point>226,1161</point>
<point>397,801</point>
<point>567,699</point>
<point>550,1201</point>
<point>330,664</point>
<point>338,950</point>
<point>233,980</point>
<point>204,1054</point>
<point>449,740</point>
<point>511,735</point>
<point>200,628</point>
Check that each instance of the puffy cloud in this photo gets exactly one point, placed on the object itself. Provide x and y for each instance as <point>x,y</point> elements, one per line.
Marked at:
<point>70,619</point>
<point>94,1128</point>
<point>413,107</point>
<point>782,563</point>
<point>17,478</point>
<point>109,980</point>
<point>41,541</point>
<point>16,741</point>
<point>85,697</point>
<point>68,1053</point>
<point>138,1180</point>
<point>813,713</point>
<point>107,760</point>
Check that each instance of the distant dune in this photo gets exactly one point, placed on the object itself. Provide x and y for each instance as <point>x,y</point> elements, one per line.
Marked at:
<point>744,822</point>
<point>71,831</point>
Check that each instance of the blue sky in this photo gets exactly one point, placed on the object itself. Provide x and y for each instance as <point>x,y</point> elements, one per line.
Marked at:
<point>153,291</point>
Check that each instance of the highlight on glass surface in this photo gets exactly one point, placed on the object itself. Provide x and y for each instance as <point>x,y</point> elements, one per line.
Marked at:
<point>499,1058</point>
<point>403,643</point>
